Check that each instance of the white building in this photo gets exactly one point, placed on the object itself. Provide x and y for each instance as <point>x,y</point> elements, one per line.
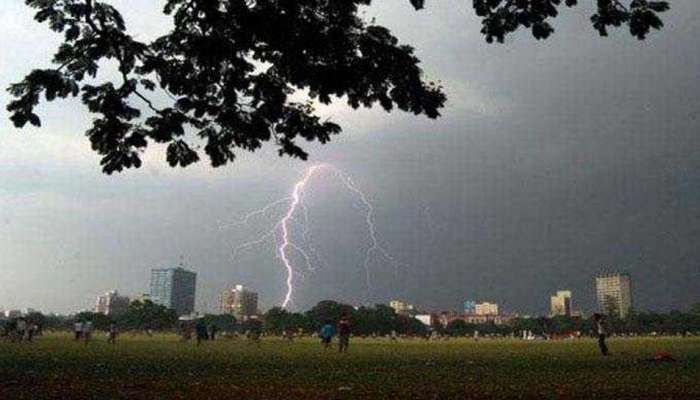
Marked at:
<point>111,303</point>
<point>560,304</point>
<point>486,308</point>
<point>425,319</point>
<point>240,302</point>
<point>10,314</point>
<point>401,307</point>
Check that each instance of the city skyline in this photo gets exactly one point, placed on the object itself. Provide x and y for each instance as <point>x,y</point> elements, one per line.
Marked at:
<point>613,291</point>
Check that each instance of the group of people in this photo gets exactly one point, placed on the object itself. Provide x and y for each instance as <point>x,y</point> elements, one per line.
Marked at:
<point>328,330</point>
<point>82,330</point>
<point>21,330</point>
<point>204,332</point>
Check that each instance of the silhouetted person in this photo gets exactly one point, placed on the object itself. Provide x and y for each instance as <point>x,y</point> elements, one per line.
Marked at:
<point>113,333</point>
<point>32,330</point>
<point>255,331</point>
<point>201,331</point>
<point>343,334</point>
<point>78,329</point>
<point>327,332</point>
<point>21,328</point>
<point>87,331</point>
<point>602,330</point>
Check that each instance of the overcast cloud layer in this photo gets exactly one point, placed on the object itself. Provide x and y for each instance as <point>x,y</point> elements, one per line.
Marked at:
<point>553,161</point>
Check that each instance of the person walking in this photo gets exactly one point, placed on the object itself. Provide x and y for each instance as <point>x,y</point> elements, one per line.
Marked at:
<point>343,334</point>
<point>601,329</point>
<point>32,331</point>
<point>87,331</point>
<point>327,332</point>
<point>213,329</point>
<point>78,329</point>
<point>113,333</point>
<point>201,331</point>
<point>21,328</point>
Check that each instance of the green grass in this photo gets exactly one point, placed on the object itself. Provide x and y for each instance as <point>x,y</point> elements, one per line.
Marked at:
<point>161,367</point>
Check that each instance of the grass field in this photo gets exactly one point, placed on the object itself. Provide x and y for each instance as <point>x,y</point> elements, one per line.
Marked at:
<point>160,367</point>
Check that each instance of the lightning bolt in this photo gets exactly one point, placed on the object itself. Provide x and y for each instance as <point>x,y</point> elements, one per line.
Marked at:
<point>282,235</point>
<point>371,228</point>
<point>296,198</point>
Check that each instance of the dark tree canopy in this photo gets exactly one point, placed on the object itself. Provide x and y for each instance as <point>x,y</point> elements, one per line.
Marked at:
<point>229,69</point>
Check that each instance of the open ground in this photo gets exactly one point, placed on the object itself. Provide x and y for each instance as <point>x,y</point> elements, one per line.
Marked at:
<point>161,367</point>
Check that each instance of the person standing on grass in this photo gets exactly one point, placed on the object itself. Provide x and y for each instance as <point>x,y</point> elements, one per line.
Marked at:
<point>21,328</point>
<point>327,332</point>
<point>601,329</point>
<point>87,331</point>
<point>78,329</point>
<point>213,329</point>
<point>113,332</point>
<point>32,330</point>
<point>201,331</point>
<point>343,334</point>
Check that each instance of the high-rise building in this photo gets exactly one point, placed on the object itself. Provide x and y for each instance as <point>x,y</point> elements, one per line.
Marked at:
<point>486,308</point>
<point>401,307</point>
<point>614,293</point>
<point>174,288</point>
<point>240,302</point>
<point>560,304</point>
<point>470,306</point>
<point>111,303</point>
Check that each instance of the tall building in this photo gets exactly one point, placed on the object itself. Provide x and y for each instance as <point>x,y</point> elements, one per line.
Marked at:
<point>111,303</point>
<point>560,303</point>
<point>486,308</point>
<point>240,302</point>
<point>614,293</point>
<point>174,288</point>
<point>470,306</point>
<point>401,307</point>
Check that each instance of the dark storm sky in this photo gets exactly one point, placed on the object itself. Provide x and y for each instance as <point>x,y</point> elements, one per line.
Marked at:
<point>553,161</point>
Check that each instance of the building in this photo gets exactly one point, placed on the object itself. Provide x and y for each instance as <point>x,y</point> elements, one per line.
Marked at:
<point>111,303</point>
<point>426,319</point>
<point>496,319</point>
<point>11,314</point>
<point>560,304</point>
<point>400,307</point>
<point>240,302</point>
<point>447,317</point>
<point>174,288</point>
<point>614,294</point>
<point>143,297</point>
<point>486,308</point>
<point>470,306</point>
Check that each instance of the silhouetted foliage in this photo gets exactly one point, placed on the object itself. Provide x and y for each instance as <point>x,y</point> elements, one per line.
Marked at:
<point>327,310</point>
<point>146,315</point>
<point>99,321</point>
<point>229,68</point>
<point>222,322</point>
<point>277,319</point>
<point>380,319</point>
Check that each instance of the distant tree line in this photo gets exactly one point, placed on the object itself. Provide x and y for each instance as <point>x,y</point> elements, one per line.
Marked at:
<point>643,323</point>
<point>365,321</point>
<point>378,320</point>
